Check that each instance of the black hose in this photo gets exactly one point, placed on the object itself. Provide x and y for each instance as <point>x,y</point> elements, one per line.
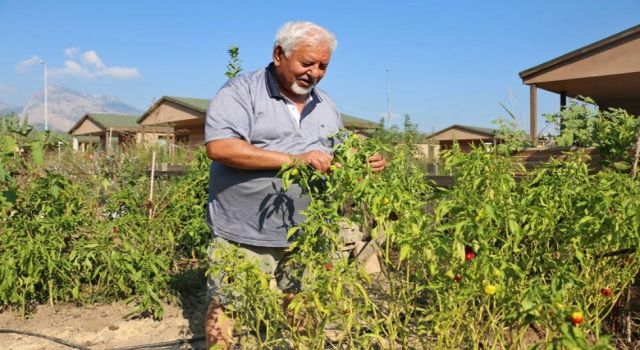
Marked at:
<point>618,252</point>
<point>163,344</point>
<point>80,347</point>
<point>53,339</point>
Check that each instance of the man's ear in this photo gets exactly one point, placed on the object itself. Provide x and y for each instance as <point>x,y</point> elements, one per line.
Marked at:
<point>278,53</point>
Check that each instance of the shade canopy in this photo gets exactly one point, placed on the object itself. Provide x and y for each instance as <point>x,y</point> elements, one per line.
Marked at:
<point>608,71</point>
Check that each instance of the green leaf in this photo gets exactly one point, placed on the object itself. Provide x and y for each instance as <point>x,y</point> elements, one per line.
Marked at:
<point>10,196</point>
<point>37,152</point>
<point>8,144</point>
<point>405,250</point>
<point>458,248</point>
<point>622,165</point>
<point>514,227</point>
<point>55,191</point>
<point>292,231</point>
<point>337,292</point>
<point>318,304</point>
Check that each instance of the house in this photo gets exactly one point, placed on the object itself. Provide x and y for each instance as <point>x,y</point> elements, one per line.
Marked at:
<point>113,129</point>
<point>466,136</point>
<point>360,126</point>
<point>607,71</point>
<point>186,116</point>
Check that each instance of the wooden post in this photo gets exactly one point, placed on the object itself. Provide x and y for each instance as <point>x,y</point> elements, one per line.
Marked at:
<point>634,168</point>
<point>110,136</point>
<point>169,145</point>
<point>563,105</point>
<point>533,112</point>
<point>153,173</point>
<point>627,308</point>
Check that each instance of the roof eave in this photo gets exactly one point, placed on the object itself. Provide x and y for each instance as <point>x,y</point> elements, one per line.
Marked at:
<point>458,126</point>
<point>167,98</point>
<point>85,117</point>
<point>177,100</point>
<point>528,73</point>
<point>151,108</point>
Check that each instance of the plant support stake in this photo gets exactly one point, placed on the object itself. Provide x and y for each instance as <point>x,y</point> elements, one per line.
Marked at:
<point>153,172</point>
<point>110,136</point>
<point>634,169</point>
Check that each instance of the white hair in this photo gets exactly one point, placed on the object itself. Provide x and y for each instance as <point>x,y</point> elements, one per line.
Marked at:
<point>293,33</point>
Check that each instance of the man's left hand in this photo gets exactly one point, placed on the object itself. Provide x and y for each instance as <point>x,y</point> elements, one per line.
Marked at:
<point>377,162</point>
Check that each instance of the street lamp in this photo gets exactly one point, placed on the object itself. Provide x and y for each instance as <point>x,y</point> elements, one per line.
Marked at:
<point>46,119</point>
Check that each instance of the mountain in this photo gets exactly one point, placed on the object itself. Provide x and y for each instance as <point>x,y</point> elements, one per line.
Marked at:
<point>65,107</point>
<point>6,108</point>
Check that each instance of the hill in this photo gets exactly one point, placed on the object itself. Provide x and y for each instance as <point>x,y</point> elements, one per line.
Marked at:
<point>67,106</point>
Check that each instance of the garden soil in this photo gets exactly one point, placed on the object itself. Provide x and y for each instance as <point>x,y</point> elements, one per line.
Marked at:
<point>106,326</point>
<point>103,326</point>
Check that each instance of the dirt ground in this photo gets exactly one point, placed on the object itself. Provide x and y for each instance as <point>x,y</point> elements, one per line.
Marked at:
<point>103,326</point>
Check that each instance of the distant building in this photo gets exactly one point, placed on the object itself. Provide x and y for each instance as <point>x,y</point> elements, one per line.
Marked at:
<point>186,116</point>
<point>607,71</point>
<point>109,130</point>
<point>360,126</point>
<point>466,136</point>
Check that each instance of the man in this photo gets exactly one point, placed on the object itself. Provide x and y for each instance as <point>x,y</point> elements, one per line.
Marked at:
<point>255,124</point>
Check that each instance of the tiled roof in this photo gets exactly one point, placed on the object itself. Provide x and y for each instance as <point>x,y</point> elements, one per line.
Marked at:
<point>106,121</point>
<point>200,104</point>
<point>114,120</point>
<point>351,122</point>
<point>478,129</point>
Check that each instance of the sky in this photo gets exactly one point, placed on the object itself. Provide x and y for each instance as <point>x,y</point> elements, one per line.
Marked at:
<point>444,62</point>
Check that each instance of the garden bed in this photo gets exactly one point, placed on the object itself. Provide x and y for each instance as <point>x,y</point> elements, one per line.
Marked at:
<point>103,326</point>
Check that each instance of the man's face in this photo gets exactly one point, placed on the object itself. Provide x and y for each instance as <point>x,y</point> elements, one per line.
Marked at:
<point>303,69</point>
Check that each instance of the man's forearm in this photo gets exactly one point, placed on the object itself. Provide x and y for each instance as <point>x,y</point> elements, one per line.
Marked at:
<point>242,155</point>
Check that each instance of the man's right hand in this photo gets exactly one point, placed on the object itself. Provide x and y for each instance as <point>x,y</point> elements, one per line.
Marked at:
<point>318,159</point>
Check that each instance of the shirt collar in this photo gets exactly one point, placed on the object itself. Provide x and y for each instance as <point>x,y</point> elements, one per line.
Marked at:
<point>274,90</point>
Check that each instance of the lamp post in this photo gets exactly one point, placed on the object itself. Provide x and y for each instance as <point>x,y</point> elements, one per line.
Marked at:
<point>46,117</point>
<point>388,102</point>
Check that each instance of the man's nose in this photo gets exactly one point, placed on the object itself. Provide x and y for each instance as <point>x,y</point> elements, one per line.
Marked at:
<point>315,72</point>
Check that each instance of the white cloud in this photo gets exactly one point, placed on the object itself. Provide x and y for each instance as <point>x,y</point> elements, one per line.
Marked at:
<point>71,52</point>
<point>91,57</point>
<point>23,66</point>
<point>119,72</point>
<point>71,68</point>
<point>87,66</point>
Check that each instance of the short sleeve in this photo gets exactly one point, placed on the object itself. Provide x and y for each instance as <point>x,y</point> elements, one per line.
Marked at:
<point>229,114</point>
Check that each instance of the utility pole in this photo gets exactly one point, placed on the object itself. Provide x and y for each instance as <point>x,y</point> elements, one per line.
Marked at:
<point>388,101</point>
<point>46,117</point>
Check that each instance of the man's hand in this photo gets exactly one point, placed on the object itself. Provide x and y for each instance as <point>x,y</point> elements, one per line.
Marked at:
<point>377,162</point>
<point>318,159</point>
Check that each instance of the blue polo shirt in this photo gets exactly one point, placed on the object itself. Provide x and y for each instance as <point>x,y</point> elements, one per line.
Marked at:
<point>250,206</point>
